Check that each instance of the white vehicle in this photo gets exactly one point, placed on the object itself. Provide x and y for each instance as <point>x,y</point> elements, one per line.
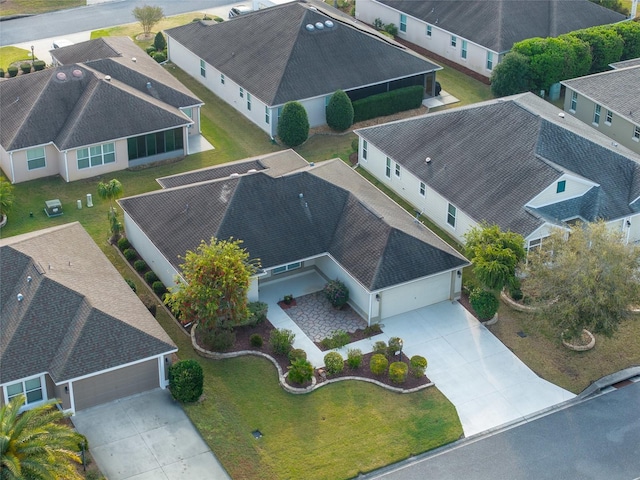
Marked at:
<point>61,42</point>
<point>239,10</point>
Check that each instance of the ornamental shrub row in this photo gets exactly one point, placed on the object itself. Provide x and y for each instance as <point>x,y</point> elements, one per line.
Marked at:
<point>387,103</point>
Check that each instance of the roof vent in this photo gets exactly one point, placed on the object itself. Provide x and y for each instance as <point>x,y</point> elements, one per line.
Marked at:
<point>77,73</point>
<point>313,8</point>
<point>328,23</point>
<point>29,279</point>
<point>319,25</point>
<point>61,76</point>
<point>301,195</point>
<point>252,170</point>
<point>427,160</point>
<point>107,78</point>
<point>561,114</point>
<point>234,174</point>
<point>149,85</point>
<point>615,144</point>
<point>20,297</point>
<point>310,27</point>
<point>134,59</point>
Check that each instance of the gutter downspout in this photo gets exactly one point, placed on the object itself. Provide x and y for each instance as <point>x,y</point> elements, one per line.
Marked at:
<point>627,223</point>
<point>66,167</point>
<point>369,312</point>
<point>13,173</point>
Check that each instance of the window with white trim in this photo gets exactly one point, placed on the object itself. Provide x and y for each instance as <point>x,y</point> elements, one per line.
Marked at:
<point>96,156</point>
<point>248,101</point>
<point>31,389</point>
<point>222,78</point>
<point>596,114</point>
<point>387,171</point>
<point>398,170</point>
<point>489,60</point>
<point>429,31</point>
<point>286,268</point>
<point>463,52</point>
<point>403,23</point>
<point>365,145</point>
<point>451,215</point>
<point>241,92</point>
<point>423,189</point>
<point>574,101</point>
<point>36,158</point>
<point>267,114</point>
<point>534,244</point>
<point>454,41</point>
<point>203,68</point>
<point>636,133</point>
<point>609,117</point>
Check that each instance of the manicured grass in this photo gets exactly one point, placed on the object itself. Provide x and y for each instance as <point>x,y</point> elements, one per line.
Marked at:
<point>324,147</point>
<point>16,7</point>
<point>9,55</point>
<point>468,90</point>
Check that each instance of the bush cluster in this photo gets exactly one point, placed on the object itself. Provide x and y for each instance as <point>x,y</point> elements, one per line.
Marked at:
<point>334,363</point>
<point>387,103</point>
<point>380,347</point>
<point>398,372</point>
<point>186,381</point>
<point>354,358</point>
<point>281,340</point>
<point>159,57</point>
<point>378,364</point>
<point>218,340</point>
<point>297,354</point>
<point>337,293</point>
<point>418,365</point>
<point>485,303</point>
<point>338,339</point>
<point>301,371</point>
<point>257,312</point>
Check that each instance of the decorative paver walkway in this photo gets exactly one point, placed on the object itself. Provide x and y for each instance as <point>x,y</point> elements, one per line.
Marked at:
<point>318,319</point>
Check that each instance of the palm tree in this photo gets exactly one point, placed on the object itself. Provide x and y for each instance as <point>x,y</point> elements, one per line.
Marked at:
<point>36,445</point>
<point>6,197</point>
<point>110,190</point>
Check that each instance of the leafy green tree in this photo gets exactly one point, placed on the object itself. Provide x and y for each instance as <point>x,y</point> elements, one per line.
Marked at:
<point>584,279</point>
<point>216,277</point>
<point>340,111</point>
<point>159,42</point>
<point>293,127</point>
<point>148,16</point>
<point>630,33</point>
<point>36,445</point>
<point>495,255</point>
<point>186,380</point>
<point>110,190</point>
<point>511,76</point>
<point>606,46</point>
<point>6,197</point>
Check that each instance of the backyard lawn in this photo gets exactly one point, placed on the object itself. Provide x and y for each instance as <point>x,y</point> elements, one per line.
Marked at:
<point>15,7</point>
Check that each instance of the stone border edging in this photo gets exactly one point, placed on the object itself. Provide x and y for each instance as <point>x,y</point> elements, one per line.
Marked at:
<point>515,305</point>
<point>581,348</point>
<point>282,376</point>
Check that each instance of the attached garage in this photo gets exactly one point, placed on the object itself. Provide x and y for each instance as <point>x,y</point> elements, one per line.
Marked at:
<point>405,298</point>
<point>116,384</point>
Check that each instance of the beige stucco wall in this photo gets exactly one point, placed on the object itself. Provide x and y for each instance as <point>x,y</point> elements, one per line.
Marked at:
<point>122,162</point>
<point>22,174</point>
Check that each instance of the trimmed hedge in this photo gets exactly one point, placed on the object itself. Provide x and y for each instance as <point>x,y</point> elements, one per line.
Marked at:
<point>398,372</point>
<point>140,265</point>
<point>484,303</point>
<point>130,254</point>
<point>159,57</point>
<point>38,65</point>
<point>354,358</point>
<point>25,67</point>
<point>387,103</point>
<point>418,366</point>
<point>159,288</point>
<point>293,127</point>
<point>123,244</point>
<point>339,111</point>
<point>12,71</point>
<point>151,277</point>
<point>334,363</point>
<point>378,364</point>
<point>186,381</point>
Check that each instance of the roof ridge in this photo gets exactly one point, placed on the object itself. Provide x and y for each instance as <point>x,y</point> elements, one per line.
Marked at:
<point>75,115</point>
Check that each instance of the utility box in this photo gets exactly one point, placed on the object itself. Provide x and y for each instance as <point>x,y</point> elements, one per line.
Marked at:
<point>53,208</point>
<point>89,200</point>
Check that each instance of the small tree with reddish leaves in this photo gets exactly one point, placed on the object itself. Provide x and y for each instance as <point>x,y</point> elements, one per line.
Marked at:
<point>212,292</point>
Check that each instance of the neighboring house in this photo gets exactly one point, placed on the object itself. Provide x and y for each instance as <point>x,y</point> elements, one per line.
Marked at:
<point>609,101</point>
<point>106,107</point>
<point>293,52</point>
<point>477,34</point>
<point>517,162</point>
<point>634,62</point>
<point>294,216</point>
<point>71,328</point>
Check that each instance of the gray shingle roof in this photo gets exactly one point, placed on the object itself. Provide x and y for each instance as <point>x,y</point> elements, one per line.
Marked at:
<point>491,159</point>
<point>279,226</point>
<point>296,64</point>
<point>634,62</point>
<point>74,105</point>
<point>77,315</point>
<point>616,90</point>
<point>498,24</point>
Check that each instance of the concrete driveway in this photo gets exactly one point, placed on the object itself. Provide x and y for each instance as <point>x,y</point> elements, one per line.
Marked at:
<point>147,437</point>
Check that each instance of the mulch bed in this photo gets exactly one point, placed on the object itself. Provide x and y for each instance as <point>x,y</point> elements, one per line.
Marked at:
<point>264,329</point>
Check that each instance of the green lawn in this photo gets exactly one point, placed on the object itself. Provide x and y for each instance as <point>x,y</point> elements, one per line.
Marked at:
<point>15,7</point>
<point>9,55</point>
<point>468,90</point>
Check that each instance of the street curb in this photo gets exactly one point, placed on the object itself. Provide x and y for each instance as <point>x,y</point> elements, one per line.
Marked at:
<point>608,380</point>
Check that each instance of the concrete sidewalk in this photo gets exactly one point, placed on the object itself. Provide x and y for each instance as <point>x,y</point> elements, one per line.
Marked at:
<point>147,437</point>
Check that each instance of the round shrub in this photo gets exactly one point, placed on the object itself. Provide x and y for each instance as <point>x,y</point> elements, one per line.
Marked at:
<point>378,364</point>
<point>140,265</point>
<point>151,277</point>
<point>418,364</point>
<point>25,67</point>
<point>380,347</point>
<point>339,111</point>
<point>354,358</point>
<point>391,29</point>
<point>394,345</point>
<point>12,71</point>
<point>131,284</point>
<point>485,303</point>
<point>159,288</point>
<point>281,340</point>
<point>333,362</point>
<point>130,254</point>
<point>398,372</point>
<point>218,19</point>
<point>296,354</point>
<point>186,380</point>
<point>293,127</point>
<point>337,293</point>
<point>256,340</point>
<point>150,49</point>
<point>123,244</point>
<point>39,65</point>
<point>159,57</point>
<point>301,371</point>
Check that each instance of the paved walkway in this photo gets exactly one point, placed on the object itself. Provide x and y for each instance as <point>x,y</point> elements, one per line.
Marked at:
<point>147,437</point>
<point>486,382</point>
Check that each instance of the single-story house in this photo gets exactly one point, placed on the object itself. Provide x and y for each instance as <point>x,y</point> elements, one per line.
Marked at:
<point>71,327</point>
<point>477,34</point>
<point>608,101</point>
<point>293,52</point>
<point>295,216</point>
<point>518,162</point>
<point>106,107</point>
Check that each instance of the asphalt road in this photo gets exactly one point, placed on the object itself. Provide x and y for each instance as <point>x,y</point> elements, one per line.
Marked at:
<point>103,15</point>
<point>596,439</point>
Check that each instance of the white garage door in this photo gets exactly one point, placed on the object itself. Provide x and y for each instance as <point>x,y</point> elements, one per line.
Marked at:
<point>415,295</point>
<point>116,384</point>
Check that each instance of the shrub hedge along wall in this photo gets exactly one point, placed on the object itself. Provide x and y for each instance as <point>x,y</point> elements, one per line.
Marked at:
<point>387,103</point>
